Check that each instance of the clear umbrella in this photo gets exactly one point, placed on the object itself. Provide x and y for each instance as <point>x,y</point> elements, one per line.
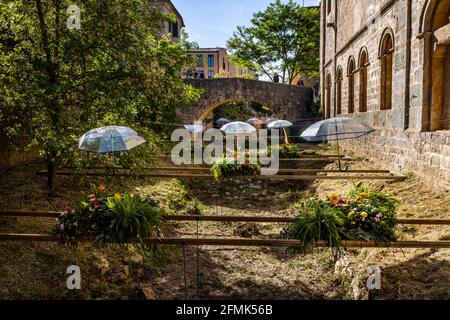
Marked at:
<point>238,127</point>
<point>281,124</point>
<point>255,122</point>
<point>336,129</point>
<point>222,121</point>
<point>195,128</point>
<point>110,139</point>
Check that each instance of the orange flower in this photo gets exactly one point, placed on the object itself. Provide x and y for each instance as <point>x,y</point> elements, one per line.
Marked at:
<point>101,188</point>
<point>334,199</point>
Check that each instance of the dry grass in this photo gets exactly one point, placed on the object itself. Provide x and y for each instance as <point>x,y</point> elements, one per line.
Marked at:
<point>37,270</point>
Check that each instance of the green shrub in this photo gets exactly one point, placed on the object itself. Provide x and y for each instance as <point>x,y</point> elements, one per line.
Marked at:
<point>317,221</point>
<point>130,217</point>
<point>287,151</point>
<point>221,169</point>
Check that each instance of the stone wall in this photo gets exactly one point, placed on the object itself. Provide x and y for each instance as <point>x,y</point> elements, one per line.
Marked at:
<point>287,102</point>
<point>401,141</point>
<point>426,154</point>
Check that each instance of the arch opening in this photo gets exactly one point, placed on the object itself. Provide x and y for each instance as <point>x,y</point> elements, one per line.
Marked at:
<point>234,110</point>
<point>387,67</point>
<point>339,79</point>
<point>351,85</point>
<point>436,35</point>
<point>328,97</point>
<point>363,75</point>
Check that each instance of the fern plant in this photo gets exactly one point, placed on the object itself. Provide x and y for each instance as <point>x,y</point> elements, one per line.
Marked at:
<point>130,217</point>
<point>317,221</point>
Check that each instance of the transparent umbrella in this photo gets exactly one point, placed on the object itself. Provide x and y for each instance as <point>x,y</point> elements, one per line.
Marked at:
<point>110,139</point>
<point>222,121</point>
<point>281,124</point>
<point>255,122</point>
<point>195,128</point>
<point>238,127</point>
<point>336,129</point>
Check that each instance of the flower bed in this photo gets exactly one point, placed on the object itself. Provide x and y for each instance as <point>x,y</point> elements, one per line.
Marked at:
<point>222,169</point>
<point>361,215</point>
<point>110,217</point>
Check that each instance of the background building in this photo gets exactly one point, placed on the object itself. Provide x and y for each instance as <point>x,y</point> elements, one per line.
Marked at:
<point>388,63</point>
<point>210,62</point>
<point>174,28</point>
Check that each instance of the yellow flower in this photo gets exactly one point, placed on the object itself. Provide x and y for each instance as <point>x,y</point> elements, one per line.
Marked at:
<point>365,194</point>
<point>118,196</point>
<point>364,216</point>
<point>334,199</point>
<point>350,215</point>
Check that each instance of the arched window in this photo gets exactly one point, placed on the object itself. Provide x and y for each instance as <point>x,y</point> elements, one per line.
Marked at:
<point>435,28</point>
<point>339,79</point>
<point>328,96</point>
<point>351,85</point>
<point>363,65</point>
<point>387,67</point>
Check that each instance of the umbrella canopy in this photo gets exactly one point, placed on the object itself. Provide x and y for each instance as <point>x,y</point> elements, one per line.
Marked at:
<point>255,121</point>
<point>238,127</point>
<point>279,124</point>
<point>222,121</point>
<point>336,129</point>
<point>110,139</point>
<point>269,120</point>
<point>195,128</point>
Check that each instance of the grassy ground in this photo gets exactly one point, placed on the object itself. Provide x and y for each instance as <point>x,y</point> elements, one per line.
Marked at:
<point>37,270</point>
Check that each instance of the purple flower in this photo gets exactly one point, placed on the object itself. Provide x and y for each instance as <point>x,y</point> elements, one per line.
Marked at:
<point>75,224</point>
<point>378,217</point>
<point>72,212</point>
<point>61,227</point>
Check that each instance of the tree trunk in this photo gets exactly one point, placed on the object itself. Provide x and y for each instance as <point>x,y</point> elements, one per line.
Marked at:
<point>51,174</point>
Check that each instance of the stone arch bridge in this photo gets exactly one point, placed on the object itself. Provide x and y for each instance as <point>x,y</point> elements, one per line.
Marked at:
<point>293,103</point>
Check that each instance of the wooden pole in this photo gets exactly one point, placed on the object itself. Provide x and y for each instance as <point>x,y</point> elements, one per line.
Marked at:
<point>239,242</point>
<point>266,219</point>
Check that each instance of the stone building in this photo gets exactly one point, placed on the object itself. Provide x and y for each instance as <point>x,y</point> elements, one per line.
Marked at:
<point>388,63</point>
<point>211,62</point>
<point>174,28</point>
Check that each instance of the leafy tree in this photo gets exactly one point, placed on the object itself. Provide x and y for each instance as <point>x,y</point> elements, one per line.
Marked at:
<point>56,83</point>
<point>283,39</point>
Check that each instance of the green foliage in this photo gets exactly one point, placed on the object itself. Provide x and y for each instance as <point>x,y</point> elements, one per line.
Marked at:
<point>223,169</point>
<point>56,83</point>
<point>131,217</point>
<point>317,221</point>
<point>283,39</point>
<point>363,215</point>
<point>287,151</point>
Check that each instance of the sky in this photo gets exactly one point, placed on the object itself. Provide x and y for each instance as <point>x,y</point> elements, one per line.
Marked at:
<point>211,23</point>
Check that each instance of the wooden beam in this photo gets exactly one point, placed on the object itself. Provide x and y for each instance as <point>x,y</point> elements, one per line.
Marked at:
<point>210,177</point>
<point>238,242</point>
<point>265,219</point>
<point>207,169</point>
